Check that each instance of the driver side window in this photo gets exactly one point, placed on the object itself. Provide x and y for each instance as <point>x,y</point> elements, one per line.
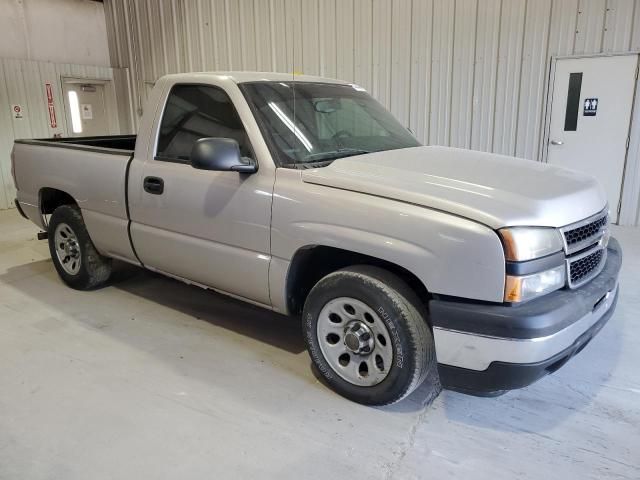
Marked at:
<point>193,112</point>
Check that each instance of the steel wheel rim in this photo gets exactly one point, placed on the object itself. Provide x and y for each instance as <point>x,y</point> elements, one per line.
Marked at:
<point>340,322</point>
<point>67,249</point>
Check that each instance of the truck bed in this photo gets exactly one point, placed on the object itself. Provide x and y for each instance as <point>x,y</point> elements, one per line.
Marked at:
<point>92,170</point>
<point>119,144</point>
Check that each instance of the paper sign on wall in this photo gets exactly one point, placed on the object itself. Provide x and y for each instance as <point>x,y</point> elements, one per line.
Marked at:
<point>87,111</point>
<point>17,111</point>
<point>590,107</point>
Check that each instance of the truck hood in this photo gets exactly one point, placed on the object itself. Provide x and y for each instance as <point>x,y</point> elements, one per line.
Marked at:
<point>492,189</point>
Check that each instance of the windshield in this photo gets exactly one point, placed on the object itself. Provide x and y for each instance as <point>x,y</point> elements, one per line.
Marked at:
<point>327,122</point>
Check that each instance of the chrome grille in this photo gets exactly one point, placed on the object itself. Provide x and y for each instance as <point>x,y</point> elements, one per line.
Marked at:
<point>585,233</point>
<point>585,244</point>
<point>583,268</point>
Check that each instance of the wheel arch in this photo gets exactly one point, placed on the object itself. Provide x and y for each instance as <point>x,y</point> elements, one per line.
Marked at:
<point>312,262</point>
<point>50,198</point>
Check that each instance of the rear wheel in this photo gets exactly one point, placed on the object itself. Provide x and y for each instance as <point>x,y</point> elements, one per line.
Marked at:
<point>75,257</point>
<point>366,332</point>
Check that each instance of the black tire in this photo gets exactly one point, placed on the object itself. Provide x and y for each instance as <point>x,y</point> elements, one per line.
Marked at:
<point>94,269</point>
<point>403,315</point>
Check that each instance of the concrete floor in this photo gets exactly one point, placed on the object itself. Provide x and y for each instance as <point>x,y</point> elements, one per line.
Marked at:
<point>150,378</point>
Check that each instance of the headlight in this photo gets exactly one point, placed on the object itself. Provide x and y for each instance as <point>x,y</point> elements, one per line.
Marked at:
<point>521,288</point>
<point>527,243</point>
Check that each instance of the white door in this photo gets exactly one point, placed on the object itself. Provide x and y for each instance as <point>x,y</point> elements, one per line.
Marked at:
<point>590,115</point>
<point>86,109</point>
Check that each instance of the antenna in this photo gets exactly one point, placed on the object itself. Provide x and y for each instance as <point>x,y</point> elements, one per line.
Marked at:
<point>293,79</point>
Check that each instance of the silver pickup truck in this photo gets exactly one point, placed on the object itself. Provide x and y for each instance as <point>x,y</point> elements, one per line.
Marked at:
<point>307,197</point>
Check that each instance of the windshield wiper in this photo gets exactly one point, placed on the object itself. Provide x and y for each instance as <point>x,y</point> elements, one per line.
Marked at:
<point>325,158</point>
<point>334,155</point>
<point>308,165</point>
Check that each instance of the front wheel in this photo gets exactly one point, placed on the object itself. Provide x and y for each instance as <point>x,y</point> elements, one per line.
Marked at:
<point>75,257</point>
<point>367,334</point>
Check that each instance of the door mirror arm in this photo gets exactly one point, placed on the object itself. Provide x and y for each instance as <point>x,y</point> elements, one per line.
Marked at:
<point>248,167</point>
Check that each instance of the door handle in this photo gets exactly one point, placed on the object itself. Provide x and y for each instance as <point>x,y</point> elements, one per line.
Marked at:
<point>557,142</point>
<point>153,185</point>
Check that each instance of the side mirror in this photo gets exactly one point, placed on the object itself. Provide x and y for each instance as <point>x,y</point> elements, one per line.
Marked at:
<point>220,154</point>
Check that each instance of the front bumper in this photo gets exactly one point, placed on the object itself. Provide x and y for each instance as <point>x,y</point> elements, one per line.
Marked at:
<point>484,348</point>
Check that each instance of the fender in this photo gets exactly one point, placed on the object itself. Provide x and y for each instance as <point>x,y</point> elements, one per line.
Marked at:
<point>440,249</point>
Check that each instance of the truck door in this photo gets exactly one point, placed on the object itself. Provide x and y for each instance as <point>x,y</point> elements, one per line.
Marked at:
<point>208,227</point>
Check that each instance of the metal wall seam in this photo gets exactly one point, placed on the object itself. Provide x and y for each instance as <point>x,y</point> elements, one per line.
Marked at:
<point>6,138</point>
<point>564,18</point>
<point>263,36</point>
<point>293,26</point>
<point>345,42</point>
<point>508,77</point>
<point>635,31</point>
<point>401,60</point>
<point>17,93</point>
<point>421,32</point>
<point>441,71</point>
<point>486,73</point>
<point>327,37</point>
<point>282,56</point>
<point>630,211</point>
<point>618,25</point>
<point>590,26</point>
<point>533,78</point>
<point>463,73</point>
<point>363,43</point>
<point>381,21</point>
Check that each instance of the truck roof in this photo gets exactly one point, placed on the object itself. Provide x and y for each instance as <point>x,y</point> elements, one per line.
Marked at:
<point>242,77</point>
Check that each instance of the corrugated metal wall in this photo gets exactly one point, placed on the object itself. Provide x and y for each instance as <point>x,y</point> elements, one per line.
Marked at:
<point>22,82</point>
<point>466,73</point>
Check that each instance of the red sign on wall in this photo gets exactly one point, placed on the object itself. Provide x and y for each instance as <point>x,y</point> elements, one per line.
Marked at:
<point>52,116</point>
<point>49,92</point>
<point>52,109</point>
